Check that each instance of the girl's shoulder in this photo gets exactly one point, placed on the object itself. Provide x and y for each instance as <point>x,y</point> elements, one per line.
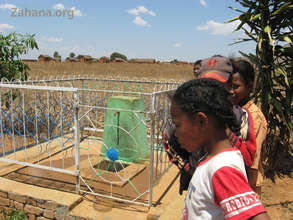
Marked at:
<point>252,108</point>
<point>256,113</point>
<point>230,157</point>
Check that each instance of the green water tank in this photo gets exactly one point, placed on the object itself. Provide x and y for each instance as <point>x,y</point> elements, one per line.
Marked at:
<point>126,131</point>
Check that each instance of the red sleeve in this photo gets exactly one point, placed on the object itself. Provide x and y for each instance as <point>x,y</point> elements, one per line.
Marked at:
<point>234,195</point>
<point>247,147</point>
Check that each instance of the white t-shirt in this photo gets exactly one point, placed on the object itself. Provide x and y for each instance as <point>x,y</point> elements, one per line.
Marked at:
<point>219,190</point>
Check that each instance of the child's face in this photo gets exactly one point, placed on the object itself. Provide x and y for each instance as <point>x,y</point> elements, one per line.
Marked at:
<point>187,130</point>
<point>195,70</point>
<point>238,89</point>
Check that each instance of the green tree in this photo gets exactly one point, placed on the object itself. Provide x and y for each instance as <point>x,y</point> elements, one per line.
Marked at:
<point>12,46</point>
<point>78,56</point>
<point>269,24</point>
<point>175,61</point>
<point>56,55</point>
<point>72,55</point>
<point>117,55</point>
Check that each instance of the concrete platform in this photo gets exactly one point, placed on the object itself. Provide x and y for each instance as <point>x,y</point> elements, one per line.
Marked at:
<point>33,182</point>
<point>167,204</point>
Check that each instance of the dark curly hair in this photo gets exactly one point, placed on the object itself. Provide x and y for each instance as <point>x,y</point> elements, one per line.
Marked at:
<point>246,70</point>
<point>208,96</point>
<point>198,62</point>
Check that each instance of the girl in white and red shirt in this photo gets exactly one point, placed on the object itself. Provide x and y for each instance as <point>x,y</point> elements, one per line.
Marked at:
<point>201,111</point>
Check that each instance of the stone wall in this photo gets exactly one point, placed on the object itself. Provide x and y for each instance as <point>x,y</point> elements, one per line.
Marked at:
<point>36,209</point>
<point>39,203</point>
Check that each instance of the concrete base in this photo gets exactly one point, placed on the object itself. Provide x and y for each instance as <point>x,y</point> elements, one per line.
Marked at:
<point>167,204</point>
<point>62,186</point>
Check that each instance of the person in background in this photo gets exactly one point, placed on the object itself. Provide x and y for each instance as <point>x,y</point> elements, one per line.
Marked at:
<point>222,69</point>
<point>240,88</point>
<point>201,111</point>
<point>196,67</point>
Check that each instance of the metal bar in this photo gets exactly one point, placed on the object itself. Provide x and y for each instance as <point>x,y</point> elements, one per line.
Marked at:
<point>94,129</point>
<point>116,91</point>
<point>12,122</point>
<point>48,126</point>
<point>162,92</point>
<point>130,81</point>
<point>61,125</point>
<point>102,130</point>
<point>80,177</point>
<point>162,174</point>
<point>115,198</point>
<point>36,123</point>
<point>89,113</point>
<point>19,86</point>
<point>114,109</point>
<point>24,125</point>
<point>82,109</point>
<point>77,140</point>
<point>157,100</point>
<point>151,154</point>
<point>97,112</point>
<point>39,166</point>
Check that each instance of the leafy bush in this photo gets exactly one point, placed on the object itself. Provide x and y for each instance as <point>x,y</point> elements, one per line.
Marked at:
<point>175,61</point>
<point>13,214</point>
<point>72,55</point>
<point>56,54</point>
<point>12,46</point>
<point>117,55</point>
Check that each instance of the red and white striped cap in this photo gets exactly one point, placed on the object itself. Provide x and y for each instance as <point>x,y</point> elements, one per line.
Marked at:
<point>219,68</point>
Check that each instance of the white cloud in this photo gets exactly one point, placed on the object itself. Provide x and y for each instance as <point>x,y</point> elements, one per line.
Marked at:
<point>203,2</point>
<point>55,39</point>
<point>58,6</point>
<point>5,26</point>
<point>139,21</point>
<point>76,12</point>
<point>217,28</point>
<point>141,10</point>
<point>52,39</point>
<point>7,6</point>
<point>177,44</point>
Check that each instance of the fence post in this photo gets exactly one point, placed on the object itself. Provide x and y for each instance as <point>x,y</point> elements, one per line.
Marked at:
<point>77,140</point>
<point>152,114</point>
<point>82,109</point>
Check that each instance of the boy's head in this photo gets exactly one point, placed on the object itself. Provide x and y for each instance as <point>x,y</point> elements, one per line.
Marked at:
<point>217,67</point>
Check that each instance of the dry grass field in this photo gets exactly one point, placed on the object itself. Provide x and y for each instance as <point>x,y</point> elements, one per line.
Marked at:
<point>277,197</point>
<point>160,71</point>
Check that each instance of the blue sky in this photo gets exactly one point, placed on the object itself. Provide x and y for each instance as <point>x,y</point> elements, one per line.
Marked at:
<point>162,29</point>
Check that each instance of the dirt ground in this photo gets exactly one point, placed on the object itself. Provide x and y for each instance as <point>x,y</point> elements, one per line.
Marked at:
<point>278,198</point>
